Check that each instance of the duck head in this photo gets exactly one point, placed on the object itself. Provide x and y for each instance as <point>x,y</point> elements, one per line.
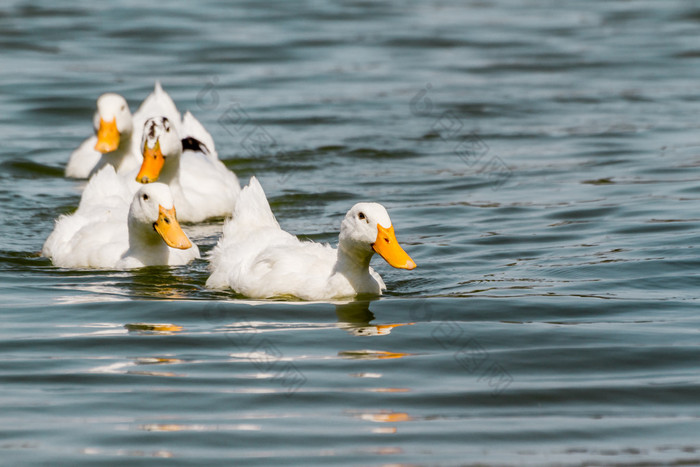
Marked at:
<point>161,145</point>
<point>112,122</point>
<point>152,217</point>
<point>366,230</point>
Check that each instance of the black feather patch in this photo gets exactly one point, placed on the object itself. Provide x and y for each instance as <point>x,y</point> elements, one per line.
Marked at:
<point>193,144</point>
<point>152,129</point>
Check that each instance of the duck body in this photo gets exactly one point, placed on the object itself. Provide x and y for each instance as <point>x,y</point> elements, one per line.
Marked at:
<point>113,228</point>
<point>84,159</point>
<point>118,134</point>
<point>201,185</point>
<point>256,258</point>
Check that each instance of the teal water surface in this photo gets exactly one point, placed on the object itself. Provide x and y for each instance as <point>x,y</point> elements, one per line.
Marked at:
<point>541,164</point>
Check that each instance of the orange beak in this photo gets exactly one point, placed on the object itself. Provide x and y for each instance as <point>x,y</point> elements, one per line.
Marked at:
<point>153,161</point>
<point>107,136</point>
<point>388,247</point>
<point>169,228</point>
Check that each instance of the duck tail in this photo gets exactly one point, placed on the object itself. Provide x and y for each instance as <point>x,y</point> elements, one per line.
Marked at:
<point>157,103</point>
<point>252,208</point>
<point>102,186</point>
<point>194,131</point>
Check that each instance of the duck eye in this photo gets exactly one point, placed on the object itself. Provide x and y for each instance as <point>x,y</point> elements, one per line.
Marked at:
<point>145,197</point>
<point>167,220</point>
<point>123,107</point>
<point>361,215</point>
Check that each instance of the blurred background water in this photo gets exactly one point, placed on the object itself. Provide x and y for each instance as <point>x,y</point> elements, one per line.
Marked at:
<point>540,162</point>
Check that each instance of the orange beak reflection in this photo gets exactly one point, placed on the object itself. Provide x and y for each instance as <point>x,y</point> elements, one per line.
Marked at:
<point>169,228</point>
<point>107,136</point>
<point>388,247</point>
<point>384,329</point>
<point>153,161</point>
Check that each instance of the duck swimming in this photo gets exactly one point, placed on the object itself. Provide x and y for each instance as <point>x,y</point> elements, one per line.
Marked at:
<point>201,185</point>
<point>256,258</point>
<point>108,231</point>
<point>118,134</point>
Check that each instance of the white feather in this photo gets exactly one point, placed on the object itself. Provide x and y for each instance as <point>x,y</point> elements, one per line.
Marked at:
<point>201,184</point>
<point>85,161</point>
<point>256,258</point>
<point>97,234</point>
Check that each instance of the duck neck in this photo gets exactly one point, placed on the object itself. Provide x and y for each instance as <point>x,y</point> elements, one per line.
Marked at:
<point>353,261</point>
<point>169,174</point>
<point>146,245</point>
<point>119,155</point>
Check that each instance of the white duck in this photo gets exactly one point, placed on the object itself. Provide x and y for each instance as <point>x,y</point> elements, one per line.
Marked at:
<point>118,134</point>
<point>256,258</point>
<point>201,185</point>
<point>108,231</point>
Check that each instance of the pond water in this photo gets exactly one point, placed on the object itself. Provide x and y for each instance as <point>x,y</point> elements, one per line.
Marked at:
<point>540,162</point>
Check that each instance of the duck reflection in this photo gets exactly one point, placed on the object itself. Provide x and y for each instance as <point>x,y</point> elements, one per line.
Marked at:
<point>153,328</point>
<point>383,417</point>
<point>355,318</point>
<point>129,367</point>
<point>160,282</point>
